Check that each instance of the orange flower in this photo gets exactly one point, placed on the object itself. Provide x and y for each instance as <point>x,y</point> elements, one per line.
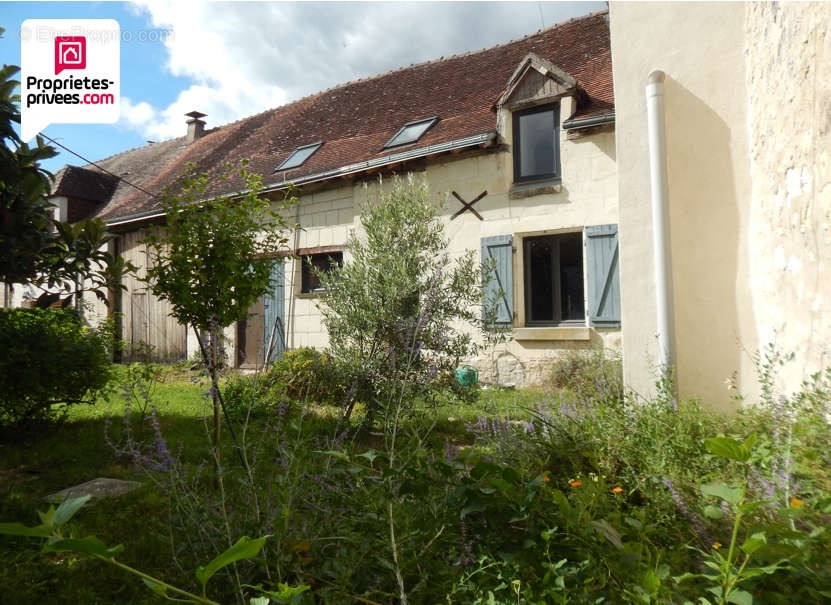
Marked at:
<point>796,502</point>
<point>575,484</point>
<point>617,490</point>
<point>546,479</point>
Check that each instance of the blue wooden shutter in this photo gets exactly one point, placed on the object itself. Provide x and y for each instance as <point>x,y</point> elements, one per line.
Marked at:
<point>273,304</point>
<point>603,275</point>
<point>500,286</point>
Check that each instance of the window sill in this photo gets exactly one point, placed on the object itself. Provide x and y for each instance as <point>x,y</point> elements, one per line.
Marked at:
<point>553,333</point>
<point>541,187</point>
<point>310,294</point>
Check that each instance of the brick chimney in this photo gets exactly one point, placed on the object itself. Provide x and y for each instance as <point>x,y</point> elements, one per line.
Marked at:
<point>196,126</point>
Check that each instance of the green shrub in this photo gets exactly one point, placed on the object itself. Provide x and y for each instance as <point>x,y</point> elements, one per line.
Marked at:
<point>253,397</point>
<point>49,357</point>
<point>595,372</point>
<point>394,309</point>
<point>306,374</point>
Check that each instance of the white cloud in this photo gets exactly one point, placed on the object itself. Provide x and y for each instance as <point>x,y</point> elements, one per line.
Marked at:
<point>243,58</point>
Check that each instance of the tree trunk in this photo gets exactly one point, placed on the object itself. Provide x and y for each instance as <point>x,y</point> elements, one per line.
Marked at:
<point>213,357</point>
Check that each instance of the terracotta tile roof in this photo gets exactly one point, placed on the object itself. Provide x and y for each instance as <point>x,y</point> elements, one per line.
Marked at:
<point>81,183</point>
<point>356,119</point>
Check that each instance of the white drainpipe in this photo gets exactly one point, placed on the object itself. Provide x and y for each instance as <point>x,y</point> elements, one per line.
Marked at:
<point>660,220</point>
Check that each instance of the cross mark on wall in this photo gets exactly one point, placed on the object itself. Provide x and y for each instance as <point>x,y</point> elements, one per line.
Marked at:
<point>468,205</point>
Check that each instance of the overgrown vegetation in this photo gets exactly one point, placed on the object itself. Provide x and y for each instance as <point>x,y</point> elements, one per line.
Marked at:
<point>367,479</point>
<point>521,497</point>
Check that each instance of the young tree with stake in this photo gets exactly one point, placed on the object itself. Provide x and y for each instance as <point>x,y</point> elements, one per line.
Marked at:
<point>214,258</point>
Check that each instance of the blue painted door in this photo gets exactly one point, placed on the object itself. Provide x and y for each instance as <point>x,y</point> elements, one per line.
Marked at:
<point>274,332</point>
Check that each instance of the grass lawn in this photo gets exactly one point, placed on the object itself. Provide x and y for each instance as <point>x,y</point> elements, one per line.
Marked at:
<point>37,463</point>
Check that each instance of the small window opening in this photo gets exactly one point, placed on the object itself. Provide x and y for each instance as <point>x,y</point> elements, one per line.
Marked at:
<point>411,132</point>
<point>310,282</point>
<point>536,143</point>
<point>298,156</point>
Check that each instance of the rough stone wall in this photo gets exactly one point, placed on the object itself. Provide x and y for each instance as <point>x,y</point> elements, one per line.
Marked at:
<point>788,79</point>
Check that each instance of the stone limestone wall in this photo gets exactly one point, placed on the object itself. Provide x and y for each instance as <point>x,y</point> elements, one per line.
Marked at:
<point>325,218</point>
<point>788,79</point>
<point>588,196</point>
<point>699,46</point>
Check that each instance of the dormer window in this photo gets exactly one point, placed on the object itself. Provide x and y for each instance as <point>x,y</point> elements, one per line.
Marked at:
<point>536,143</point>
<point>300,155</point>
<point>411,132</point>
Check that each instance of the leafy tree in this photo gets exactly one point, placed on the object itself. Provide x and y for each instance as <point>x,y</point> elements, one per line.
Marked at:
<point>214,258</point>
<point>25,214</point>
<point>396,310</point>
<point>60,259</point>
<point>75,261</point>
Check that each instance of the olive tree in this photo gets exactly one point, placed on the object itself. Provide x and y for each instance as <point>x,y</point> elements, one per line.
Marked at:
<point>401,312</point>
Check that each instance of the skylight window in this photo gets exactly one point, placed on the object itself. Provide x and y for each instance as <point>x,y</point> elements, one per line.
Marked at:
<point>411,132</point>
<point>300,155</point>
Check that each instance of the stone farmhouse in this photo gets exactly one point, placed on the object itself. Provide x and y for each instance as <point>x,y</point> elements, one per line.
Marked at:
<point>523,133</point>
<point>682,219</point>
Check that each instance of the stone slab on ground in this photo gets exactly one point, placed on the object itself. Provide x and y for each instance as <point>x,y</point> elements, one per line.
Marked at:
<point>101,487</point>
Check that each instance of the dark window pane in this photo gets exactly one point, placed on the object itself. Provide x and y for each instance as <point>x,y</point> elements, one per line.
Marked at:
<point>554,278</point>
<point>536,149</point>
<point>300,155</point>
<point>571,277</point>
<point>323,263</point>
<point>541,271</point>
<point>411,132</point>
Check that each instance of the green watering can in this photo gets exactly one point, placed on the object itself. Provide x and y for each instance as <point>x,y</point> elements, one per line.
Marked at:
<point>467,376</point>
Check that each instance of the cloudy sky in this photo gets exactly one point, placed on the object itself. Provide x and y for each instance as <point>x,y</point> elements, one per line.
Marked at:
<point>233,59</point>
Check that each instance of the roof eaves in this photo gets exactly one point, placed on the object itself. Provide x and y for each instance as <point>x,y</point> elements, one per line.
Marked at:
<point>486,138</point>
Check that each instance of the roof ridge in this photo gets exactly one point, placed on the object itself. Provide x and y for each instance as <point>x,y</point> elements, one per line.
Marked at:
<point>115,155</point>
<point>454,56</point>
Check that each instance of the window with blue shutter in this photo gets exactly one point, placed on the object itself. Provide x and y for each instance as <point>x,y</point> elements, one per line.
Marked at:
<point>499,289</point>
<point>603,273</point>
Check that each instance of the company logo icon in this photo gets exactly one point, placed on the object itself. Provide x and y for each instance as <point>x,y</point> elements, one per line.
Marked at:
<point>52,89</point>
<point>70,53</point>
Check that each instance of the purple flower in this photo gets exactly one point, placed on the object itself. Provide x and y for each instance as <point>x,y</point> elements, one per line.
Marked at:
<point>694,521</point>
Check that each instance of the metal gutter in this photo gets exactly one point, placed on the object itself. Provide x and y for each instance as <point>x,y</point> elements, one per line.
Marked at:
<point>130,218</point>
<point>472,141</point>
<point>608,118</point>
